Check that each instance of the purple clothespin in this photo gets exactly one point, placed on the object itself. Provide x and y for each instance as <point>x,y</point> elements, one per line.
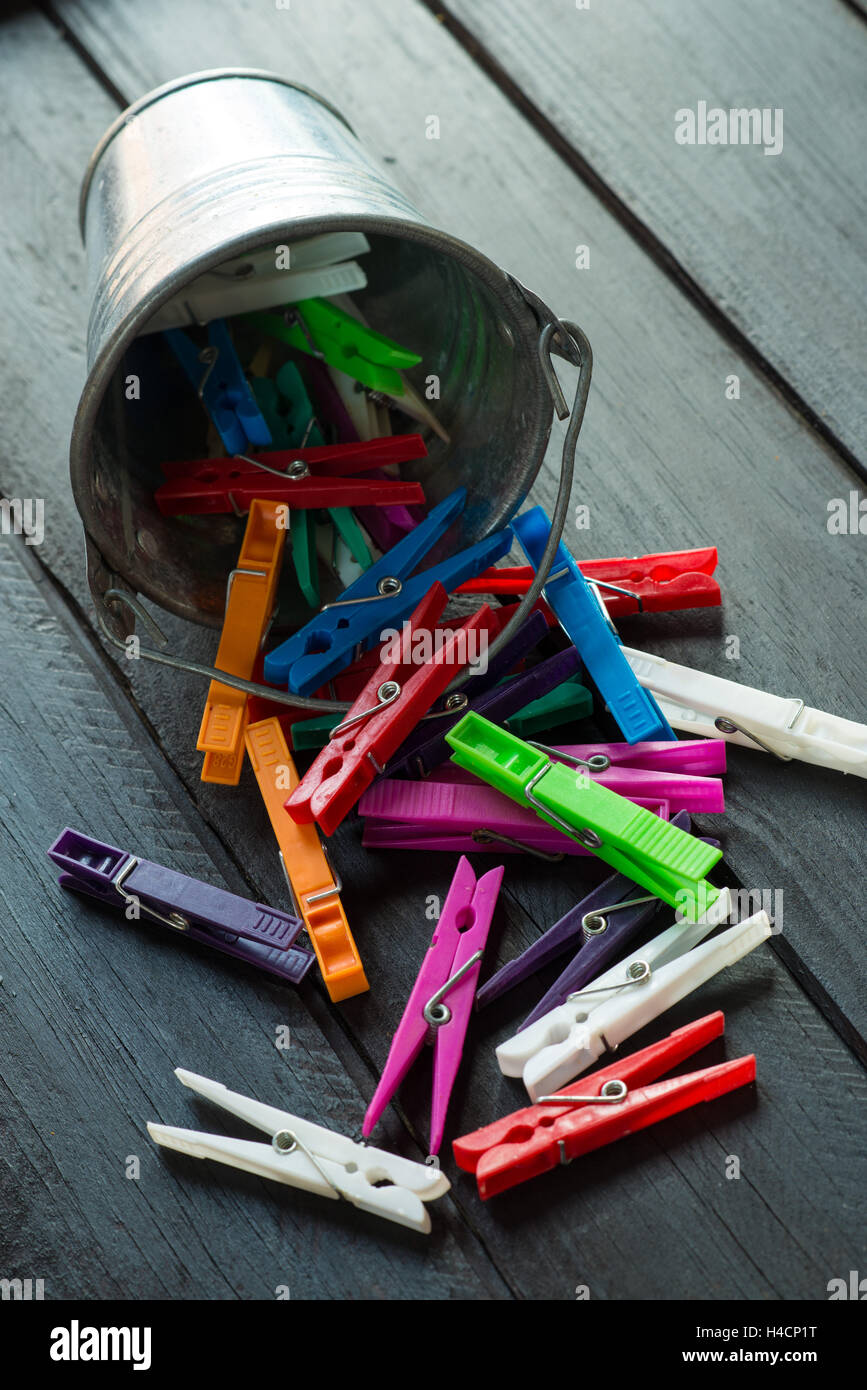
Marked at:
<point>262,936</point>
<point>700,756</point>
<point>461,815</point>
<point>442,996</point>
<point>426,746</point>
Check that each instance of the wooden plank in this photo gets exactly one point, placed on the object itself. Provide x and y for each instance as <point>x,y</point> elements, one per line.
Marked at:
<point>807,1069</point>
<point>97,1012</point>
<point>777,242</point>
<point>665,460</point>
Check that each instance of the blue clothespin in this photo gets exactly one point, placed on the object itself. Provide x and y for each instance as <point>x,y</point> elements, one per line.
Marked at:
<point>222,387</point>
<point>380,598</point>
<point>587,625</point>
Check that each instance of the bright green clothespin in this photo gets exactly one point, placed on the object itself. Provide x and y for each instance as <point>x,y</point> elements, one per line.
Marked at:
<point>665,860</point>
<point>321,329</point>
<point>568,701</point>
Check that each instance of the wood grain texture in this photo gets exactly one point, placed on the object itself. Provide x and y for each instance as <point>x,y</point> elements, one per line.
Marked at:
<point>777,242</point>
<point>787,1226</point>
<point>665,460</point>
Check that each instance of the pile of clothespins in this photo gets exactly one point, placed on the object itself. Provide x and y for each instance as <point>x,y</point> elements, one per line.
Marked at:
<point>434,752</point>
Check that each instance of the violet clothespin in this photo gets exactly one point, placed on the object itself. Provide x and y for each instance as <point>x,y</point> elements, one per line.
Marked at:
<point>442,997</point>
<point>426,747</point>
<point>260,935</point>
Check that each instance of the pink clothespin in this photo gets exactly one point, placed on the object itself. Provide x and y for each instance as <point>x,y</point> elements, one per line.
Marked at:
<point>442,997</point>
<point>698,756</point>
<point>682,792</point>
<point>462,815</point>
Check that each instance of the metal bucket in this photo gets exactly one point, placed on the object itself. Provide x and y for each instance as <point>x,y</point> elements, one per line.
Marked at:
<point>226,164</point>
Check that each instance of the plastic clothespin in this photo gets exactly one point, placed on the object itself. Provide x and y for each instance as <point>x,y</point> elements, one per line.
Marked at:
<point>614,1102</point>
<point>426,748</point>
<point>261,936</point>
<point>666,861</point>
<point>216,486</point>
<point>598,1018</point>
<point>309,1157</point>
<point>323,330</point>
<point>380,599</point>
<point>664,583</point>
<point>250,596</point>
<point>588,625</point>
<point>314,886</point>
<point>700,756</point>
<point>597,927</point>
<point>314,733</point>
<point>570,701</point>
<point>719,708</point>
<point>445,815</point>
<point>219,380</point>
<point>442,996</point>
<point>398,693</point>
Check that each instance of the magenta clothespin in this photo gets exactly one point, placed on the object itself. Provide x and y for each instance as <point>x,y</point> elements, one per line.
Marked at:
<point>682,793</point>
<point>698,756</point>
<point>462,815</point>
<point>442,997</point>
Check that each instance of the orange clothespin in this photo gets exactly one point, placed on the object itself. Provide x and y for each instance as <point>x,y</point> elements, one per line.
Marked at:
<point>250,596</point>
<point>314,885</point>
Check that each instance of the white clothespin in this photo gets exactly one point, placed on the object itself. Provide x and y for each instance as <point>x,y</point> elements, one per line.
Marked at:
<point>719,708</point>
<point>307,1156</point>
<point>569,1039</point>
<point>317,268</point>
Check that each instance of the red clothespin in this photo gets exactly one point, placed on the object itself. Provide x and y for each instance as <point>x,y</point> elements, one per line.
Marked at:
<point>392,702</point>
<point>305,478</point>
<point>596,1110</point>
<point>661,583</point>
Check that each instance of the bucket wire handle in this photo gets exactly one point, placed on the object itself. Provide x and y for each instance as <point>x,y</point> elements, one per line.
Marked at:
<point>566,340</point>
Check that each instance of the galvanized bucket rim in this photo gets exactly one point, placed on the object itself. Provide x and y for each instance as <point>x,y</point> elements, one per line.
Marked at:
<point>178,84</point>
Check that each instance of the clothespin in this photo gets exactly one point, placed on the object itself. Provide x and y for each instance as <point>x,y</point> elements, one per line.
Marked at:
<point>568,702</point>
<point>667,862</point>
<point>320,266</point>
<point>250,596</point>
<point>597,929</point>
<point>718,708</point>
<point>222,387</point>
<point>663,583</point>
<point>700,756</point>
<point>598,1018</point>
<point>442,997</point>
<point>313,884</point>
<point>586,623</point>
<point>216,486</point>
<point>397,695</point>
<point>314,733</point>
<point>309,1157</point>
<point>380,599</point>
<point>445,815</point>
<point>261,936</point>
<point>614,1103</point>
<point>323,330</point>
<point>426,748</point>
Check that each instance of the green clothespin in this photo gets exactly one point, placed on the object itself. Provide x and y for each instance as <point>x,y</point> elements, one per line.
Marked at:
<point>314,733</point>
<point>566,702</point>
<point>665,860</point>
<point>321,329</point>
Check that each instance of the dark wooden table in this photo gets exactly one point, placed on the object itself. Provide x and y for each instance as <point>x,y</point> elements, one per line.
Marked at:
<point>556,131</point>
